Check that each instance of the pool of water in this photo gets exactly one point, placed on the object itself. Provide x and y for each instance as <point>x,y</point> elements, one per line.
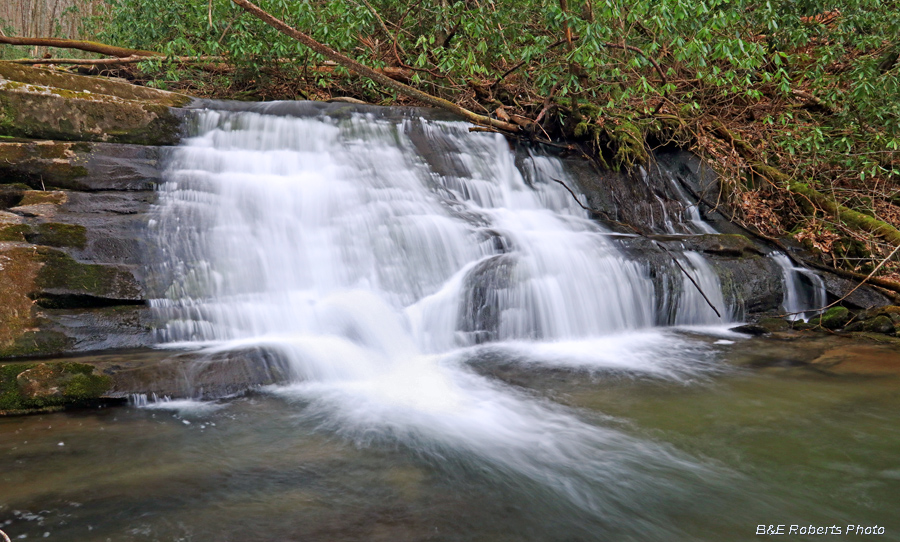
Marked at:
<point>754,439</point>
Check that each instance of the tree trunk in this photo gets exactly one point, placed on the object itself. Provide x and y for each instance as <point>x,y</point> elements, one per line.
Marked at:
<point>89,46</point>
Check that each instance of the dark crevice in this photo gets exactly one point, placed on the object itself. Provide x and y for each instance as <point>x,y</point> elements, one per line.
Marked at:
<point>81,301</point>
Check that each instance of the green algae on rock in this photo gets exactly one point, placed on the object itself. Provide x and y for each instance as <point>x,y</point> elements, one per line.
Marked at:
<point>58,235</point>
<point>37,387</point>
<point>90,85</point>
<point>63,274</point>
<point>834,318</point>
<point>50,113</point>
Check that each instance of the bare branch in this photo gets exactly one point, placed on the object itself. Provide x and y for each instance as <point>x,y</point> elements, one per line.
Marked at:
<point>89,46</point>
<point>369,73</point>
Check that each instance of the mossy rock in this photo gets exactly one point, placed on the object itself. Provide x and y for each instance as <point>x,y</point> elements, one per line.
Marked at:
<point>14,232</point>
<point>879,324</point>
<point>90,85</point>
<point>42,164</point>
<point>890,311</point>
<point>58,235</point>
<point>834,318</point>
<point>61,272</point>
<point>28,387</point>
<point>36,343</point>
<point>37,197</point>
<point>43,112</point>
<point>772,325</point>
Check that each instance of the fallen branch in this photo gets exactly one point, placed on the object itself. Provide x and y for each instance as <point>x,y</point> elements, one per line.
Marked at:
<point>809,196</point>
<point>88,46</point>
<point>877,267</point>
<point>123,60</point>
<point>688,275</point>
<point>369,73</point>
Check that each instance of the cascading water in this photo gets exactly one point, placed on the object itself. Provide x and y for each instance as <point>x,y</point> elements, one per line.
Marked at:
<point>333,243</point>
<point>804,290</point>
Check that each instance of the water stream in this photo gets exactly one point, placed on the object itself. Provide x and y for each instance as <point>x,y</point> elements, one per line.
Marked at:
<point>394,290</point>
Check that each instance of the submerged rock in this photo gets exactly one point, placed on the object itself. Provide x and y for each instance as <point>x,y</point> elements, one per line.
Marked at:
<point>860,359</point>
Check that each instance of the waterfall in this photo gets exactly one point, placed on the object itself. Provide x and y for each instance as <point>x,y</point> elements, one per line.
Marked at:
<point>804,290</point>
<point>341,245</point>
<point>268,222</point>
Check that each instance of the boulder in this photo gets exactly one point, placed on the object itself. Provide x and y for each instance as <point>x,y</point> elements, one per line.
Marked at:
<point>46,104</point>
<point>46,77</point>
<point>834,318</point>
<point>876,324</point>
<point>49,386</point>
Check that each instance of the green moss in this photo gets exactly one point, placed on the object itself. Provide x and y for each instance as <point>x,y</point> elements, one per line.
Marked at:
<point>37,387</point>
<point>774,324</point>
<point>35,197</point>
<point>622,137</point>
<point>61,271</point>
<point>9,390</point>
<point>834,318</point>
<point>879,324</point>
<point>59,235</point>
<point>36,343</point>
<point>14,233</point>
<point>82,147</point>
<point>83,386</point>
<point>628,141</point>
<point>16,185</point>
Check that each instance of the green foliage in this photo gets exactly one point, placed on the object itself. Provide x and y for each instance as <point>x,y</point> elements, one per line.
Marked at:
<point>739,48</point>
<point>815,90</point>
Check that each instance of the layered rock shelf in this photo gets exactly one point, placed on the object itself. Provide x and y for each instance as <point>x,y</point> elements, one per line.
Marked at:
<point>79,163</point>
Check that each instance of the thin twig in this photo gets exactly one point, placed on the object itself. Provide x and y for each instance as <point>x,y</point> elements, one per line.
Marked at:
<point>564,185</point>
<point>688,275</point>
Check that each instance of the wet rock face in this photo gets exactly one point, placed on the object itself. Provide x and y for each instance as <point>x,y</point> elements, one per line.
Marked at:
<point>80,166</point>
<point>73,213</point>
<point>481,310</point>
<point>66,263</point>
